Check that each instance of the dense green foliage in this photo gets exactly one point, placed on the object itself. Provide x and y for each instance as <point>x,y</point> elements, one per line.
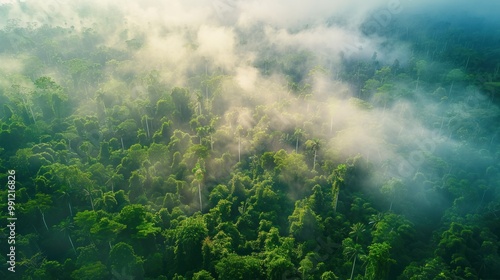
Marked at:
<point>123,174</point>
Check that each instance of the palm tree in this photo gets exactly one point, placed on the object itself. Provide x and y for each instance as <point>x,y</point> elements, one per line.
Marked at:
<point>198,175</point>
<point>106,200</point>
<point>113,179</point>
<point>88,190</point>
<point>314,145</point>
<point>352,251</point>
<point>65,226</point>
<point>393,188</point>
<point>338,180</point>
<point>357,231</point>
<point>33,262</point>
<point>376,219</point>
<point>65,193</point>
<point>298,134</point>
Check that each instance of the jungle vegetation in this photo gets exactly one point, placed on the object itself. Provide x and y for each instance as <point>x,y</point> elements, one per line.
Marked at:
<point>288,163</point>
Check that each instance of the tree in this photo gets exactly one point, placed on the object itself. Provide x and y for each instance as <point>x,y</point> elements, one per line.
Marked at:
<point>433,268</point>
<point>459,247</point>
<point>106,201</point>
<point>393,229</point>
<point>50,96</point>
<point>239,267</point>
<point>91,271</point>
<point>89,191</point>
<point>65,226</point>
<point>198,171</point>
<point>317,200</point>
<point>189,237</point>
<point>85,220</point>
<point>216,248</point>
<point>298,133</point>
<point>107,230</point>
<point>50,270</point>
<point>124,262</point>
<point>139,222</point>
<point>314,145</point>
<point>202,275</point>
<point>378,261</point>
<point>304,223</point>
<point>41,202</point>
<point>306,268</point>
<point>127,132</point>
<point>351,251</point>
<point>328,275</point>
<point>338,178</point>
<point>394,188</point>
<point>164,134</point>
<point>455,75</point>
<point>357,231</point>
<point>181,100</point>
<point>278,267</point>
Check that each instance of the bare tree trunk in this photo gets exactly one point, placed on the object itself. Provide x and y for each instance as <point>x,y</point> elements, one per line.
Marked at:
<point>70,211</point>
<point>199,193</point>
<point>91,202</point>
<point>353,265</point>
<point>336,198</point>
<point>72,245</point>
<point>314,160</point>
<point>43,219</point>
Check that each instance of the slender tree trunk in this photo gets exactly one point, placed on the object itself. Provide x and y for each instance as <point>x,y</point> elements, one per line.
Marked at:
<point>199,193</point>
<point>70,211</point>
<point>72,245</point>
<point>239,148</point>
<point>336,198</point>
<point>297,145</point>
<point>314,160</point>
<point>123,147</point>
<point>44,222</point>
<point>91,202</point>
<point>353,265</point>
<point>482,199</point>
<point>32,114</point>
<point>147,125</point>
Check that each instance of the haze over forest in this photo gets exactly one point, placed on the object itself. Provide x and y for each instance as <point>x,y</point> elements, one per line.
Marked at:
<point>251,140</point>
